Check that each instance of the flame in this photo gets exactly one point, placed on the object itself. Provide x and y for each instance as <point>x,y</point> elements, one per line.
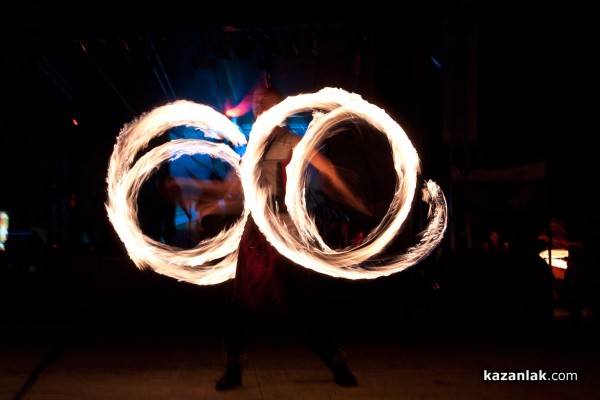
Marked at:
<point>301,242</point>
<point>213,260</point>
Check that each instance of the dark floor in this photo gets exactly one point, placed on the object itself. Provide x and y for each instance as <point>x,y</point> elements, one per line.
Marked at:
<point>101,329</point>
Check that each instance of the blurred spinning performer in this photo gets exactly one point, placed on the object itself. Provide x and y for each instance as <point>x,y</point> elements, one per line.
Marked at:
<point>267,283</point>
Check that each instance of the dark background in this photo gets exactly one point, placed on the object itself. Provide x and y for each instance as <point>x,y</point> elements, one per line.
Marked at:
<point>475,86</point>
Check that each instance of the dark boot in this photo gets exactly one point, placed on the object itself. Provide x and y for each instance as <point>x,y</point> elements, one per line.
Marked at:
<point>231,379</point>
<point>342,374</point>
<point>336,362</point>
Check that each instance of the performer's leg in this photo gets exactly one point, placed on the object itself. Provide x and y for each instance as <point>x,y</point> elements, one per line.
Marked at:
<point>316,328</point>
<point>234,341</point>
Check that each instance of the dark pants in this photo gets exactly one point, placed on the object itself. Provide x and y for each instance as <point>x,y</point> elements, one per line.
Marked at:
<point>288,295</point>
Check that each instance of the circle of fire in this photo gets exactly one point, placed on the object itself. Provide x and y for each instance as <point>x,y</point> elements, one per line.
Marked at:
<point>302,243</point>
<point>213,260</point>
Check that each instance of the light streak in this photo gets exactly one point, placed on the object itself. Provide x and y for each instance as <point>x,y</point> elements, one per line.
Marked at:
<point>242,108</point>
<point>213,260</point>
<point>303,244</point>
<point>559,258</point>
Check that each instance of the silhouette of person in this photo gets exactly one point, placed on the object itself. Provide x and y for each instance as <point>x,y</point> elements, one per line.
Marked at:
<point>266,283</point>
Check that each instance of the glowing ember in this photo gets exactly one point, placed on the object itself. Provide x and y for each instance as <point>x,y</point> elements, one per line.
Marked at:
<point>213,260</point>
